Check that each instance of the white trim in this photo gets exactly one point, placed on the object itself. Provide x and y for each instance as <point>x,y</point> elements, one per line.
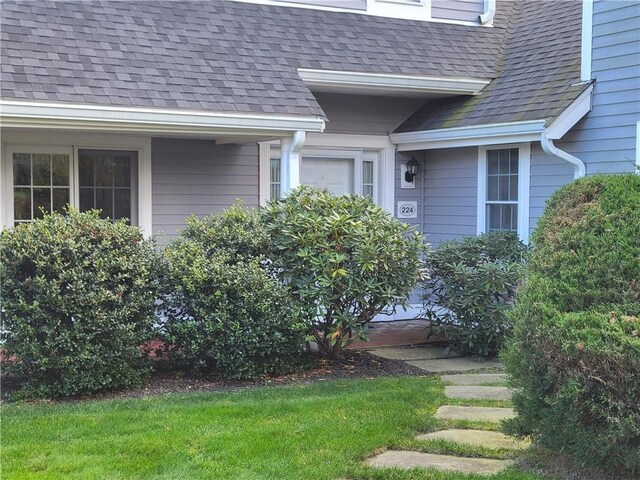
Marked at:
<point>571,115</point>
<point>489,12</point>
<point>390,83</point>
<point>401,13</point>
<point>638,147</point>
<point>265,172</point>
<point>489,134</point>
<point>524,179</point>
<point>18,113</point>
<point>587,40</point>
<point>72,142</point>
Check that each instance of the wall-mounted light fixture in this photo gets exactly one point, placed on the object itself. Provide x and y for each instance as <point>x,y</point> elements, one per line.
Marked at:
<point>412,169</point>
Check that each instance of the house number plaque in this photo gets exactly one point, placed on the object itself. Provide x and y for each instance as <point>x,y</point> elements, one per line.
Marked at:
<point>407,209</point>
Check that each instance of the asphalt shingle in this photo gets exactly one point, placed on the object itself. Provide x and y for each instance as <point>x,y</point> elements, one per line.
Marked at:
<point>219,55</point>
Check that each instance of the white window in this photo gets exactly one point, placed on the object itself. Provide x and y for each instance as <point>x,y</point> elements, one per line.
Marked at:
<point>503,189</point>
<point>39,179</point>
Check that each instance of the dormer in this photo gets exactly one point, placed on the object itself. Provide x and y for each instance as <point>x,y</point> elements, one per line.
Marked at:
<point>463,12</point>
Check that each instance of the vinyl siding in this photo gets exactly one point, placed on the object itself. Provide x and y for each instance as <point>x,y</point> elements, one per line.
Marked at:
<point>446,191</point>
<point>605,140</point>
<point>460,10</point>
<point>352,4</point>
<point>364,114</point>
<point>198,177</point>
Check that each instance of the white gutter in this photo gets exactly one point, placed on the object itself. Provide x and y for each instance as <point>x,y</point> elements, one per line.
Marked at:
<point>19,113</point>
<point>579,170</point>
<point>335,80</point>
<point>489,12</point>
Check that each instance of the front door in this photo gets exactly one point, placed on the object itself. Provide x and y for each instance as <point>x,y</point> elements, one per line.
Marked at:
<point>332,174</point>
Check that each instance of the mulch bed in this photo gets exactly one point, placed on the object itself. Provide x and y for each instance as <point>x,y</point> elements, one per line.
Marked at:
<point>355,364</point>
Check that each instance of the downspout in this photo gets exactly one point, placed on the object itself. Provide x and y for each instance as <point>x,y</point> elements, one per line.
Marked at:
<point>579,169</point>
<point>290,161</point>
<point>489,12</point>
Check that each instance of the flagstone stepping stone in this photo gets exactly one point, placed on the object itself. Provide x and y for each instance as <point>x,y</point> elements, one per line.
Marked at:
<point>474,379</point>
<point>453,365</point>
<point>411,353</point>
<point>474,414</point>
<point>408,459</point>
<point>477,438</point>
<point>478,392</point>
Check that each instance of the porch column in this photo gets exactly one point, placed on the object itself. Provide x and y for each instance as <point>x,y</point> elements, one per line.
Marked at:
<point>290,149</point>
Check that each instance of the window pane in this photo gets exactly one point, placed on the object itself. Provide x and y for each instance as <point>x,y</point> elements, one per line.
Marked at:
<point>503,188</point>
<point>514,188</point>
<point>122,203</point>
<point>104,202</point>
<point>505,162</point>
<point>41,169</point>
<point>60,170</point>
<point>492,160</point>
<point>493,217</point>
<point>274,179</point>
<point>502,217</point>
<point>41,201</point>
<point>86,199</point>
<point>60,198</point>
<point>367,173</point>
<point>22,203</point>
<point>367,191</point>
<point>492,188</point>
<point>122,172</point>
<point>85,171</point>
<point>514,160</point>
<point>103,171</point>
<point>22,169</point>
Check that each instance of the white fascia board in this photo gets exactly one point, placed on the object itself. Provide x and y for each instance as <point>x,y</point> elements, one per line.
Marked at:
<point>17,113</point>
<point>571,115</point>
<point>492,134</point>
<point>391,83</point>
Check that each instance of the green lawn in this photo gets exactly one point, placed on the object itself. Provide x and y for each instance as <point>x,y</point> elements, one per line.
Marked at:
<point>319,431</point>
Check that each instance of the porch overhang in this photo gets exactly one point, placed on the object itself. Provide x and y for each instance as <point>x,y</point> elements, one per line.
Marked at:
<point>362,83</point>
<point>99,118</point>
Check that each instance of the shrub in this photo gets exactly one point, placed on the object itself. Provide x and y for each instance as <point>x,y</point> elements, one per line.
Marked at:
<point>345,260</point>
<point>574,359</point>
<point>78,299</point>
<point>471,287</point>
<point>229,314</point>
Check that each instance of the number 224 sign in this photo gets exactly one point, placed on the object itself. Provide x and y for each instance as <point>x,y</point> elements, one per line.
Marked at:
<point>407,209</point>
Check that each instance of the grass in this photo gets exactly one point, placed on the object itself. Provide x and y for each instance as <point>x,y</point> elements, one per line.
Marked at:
<point>318,431</point>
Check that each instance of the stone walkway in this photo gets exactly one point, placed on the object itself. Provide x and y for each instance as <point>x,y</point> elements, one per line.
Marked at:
<point>469,386</point>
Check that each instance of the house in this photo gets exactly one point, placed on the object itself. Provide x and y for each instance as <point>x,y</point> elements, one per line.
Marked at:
<point>156,110</point>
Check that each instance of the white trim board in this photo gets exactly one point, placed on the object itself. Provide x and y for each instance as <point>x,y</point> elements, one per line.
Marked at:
<point>389,84</point>
<point>489,134</point>
<point>18,113</point>
<point>524,193</point>
<point>587,40</point>
<point>638,147</point>
<point>571,115</point>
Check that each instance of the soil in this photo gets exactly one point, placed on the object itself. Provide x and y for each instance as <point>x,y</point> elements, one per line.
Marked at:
<point>355,364</point>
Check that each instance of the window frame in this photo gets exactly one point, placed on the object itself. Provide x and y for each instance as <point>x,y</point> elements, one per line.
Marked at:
<point>69,143</point>
<point>524,174</point>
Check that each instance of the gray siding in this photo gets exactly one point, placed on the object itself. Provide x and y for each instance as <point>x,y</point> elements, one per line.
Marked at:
<point>606,138</point>
<point>461,10</point>
<point>363,114</point>
<point>198,177</point>
<point>446,191</point>
<point>547,175</point>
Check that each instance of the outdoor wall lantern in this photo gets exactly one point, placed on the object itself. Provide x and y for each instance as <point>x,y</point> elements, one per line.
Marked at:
<point>412,169</point>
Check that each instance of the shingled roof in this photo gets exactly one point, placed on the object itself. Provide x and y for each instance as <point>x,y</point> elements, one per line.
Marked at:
<point>219,55</point>
<point>538,74</point>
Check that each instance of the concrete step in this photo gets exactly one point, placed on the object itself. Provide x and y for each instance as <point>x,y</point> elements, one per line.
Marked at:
<point>474,379</point>
<point>411,353</point>
<point>409,459</point>
<point>478,392</point>
<point>476,438</point>
<point>474,414</point>
<point>454,365</point>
